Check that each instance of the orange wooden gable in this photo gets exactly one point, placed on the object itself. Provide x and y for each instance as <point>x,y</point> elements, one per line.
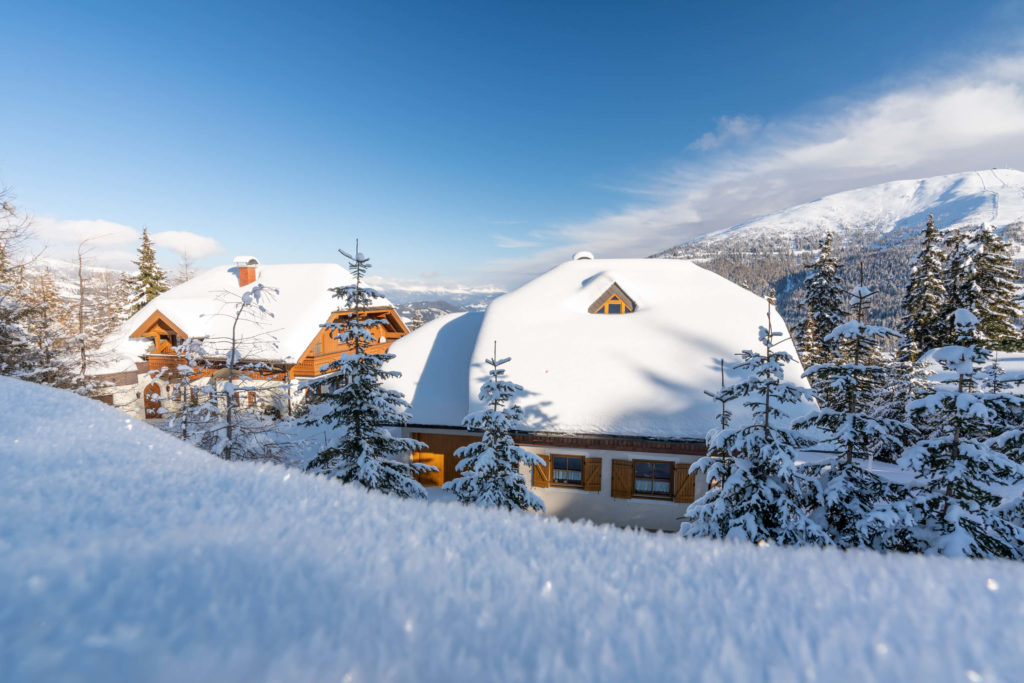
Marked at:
<point>160,329</point>
<point>324,349</point>
<point>613,300</point>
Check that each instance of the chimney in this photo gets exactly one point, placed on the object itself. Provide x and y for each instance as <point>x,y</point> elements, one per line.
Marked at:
<point>245,268</point>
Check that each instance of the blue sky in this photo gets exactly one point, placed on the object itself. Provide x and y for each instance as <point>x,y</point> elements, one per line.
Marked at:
<point>482,142</point>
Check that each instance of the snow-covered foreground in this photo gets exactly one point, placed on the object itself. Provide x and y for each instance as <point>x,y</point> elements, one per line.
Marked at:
<point>125,555</point>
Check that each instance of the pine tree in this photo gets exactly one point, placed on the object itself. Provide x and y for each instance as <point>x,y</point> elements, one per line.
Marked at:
<point>856,510</point>
<point>490,467</point>
<point>360,409</point>
<point>961,290</point>
<point>823,303</point>
<point>961,473</point>
<point>149,280</point>
<point>904,380</point>
<point>756,491</point>
<point>994,276</point>
<point>925,295</point>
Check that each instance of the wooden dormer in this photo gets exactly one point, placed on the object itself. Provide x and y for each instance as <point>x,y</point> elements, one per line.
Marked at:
<point>324,349</point>
<point>613,301</point>
<point>164,334</point>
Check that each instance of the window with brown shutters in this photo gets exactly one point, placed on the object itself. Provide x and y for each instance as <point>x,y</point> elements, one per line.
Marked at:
<point>622,479</point>
<point>567,471</point>
<point>652,478</point>
<point>592,474</point>
<point>542,473</point>
<point>683,484</point>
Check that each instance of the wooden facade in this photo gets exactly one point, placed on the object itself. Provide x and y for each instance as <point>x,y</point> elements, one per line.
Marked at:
<point>322,348</point>
<point>441,454</point>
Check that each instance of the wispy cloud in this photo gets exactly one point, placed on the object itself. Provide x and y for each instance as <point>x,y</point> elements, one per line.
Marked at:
<point>506,242</point>
<point>729,128</point>
<point>113,244</point>
<point>187,243</point>
<point>928,125</point>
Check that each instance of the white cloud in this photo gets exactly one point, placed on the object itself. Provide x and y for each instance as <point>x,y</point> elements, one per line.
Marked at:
<point>505,242</point>
<point>113,244</point>
<point>187,243</point>
<point>927,126</point>
<point>728,129</point>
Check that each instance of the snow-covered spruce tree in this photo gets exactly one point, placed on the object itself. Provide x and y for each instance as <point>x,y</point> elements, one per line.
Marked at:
<point>756,490</point>
<point>490,467</point>
<point>994,278</point>
<point>960,472</point>
<point>824,310</point>
<point>904,380</point>
<point>957,280</point>
<point>359,409</point>
<point>859,508</point>
<point>924,298</point>
<point>149,280</point>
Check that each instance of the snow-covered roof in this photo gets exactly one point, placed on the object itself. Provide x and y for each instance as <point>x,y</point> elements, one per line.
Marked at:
<point>639,374</point>
<point>200,306</point>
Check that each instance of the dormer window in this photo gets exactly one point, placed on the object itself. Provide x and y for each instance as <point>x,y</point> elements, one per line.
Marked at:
<point>614,301</point>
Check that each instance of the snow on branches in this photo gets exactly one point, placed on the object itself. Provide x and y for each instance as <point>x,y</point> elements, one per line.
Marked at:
<point>490,468</point>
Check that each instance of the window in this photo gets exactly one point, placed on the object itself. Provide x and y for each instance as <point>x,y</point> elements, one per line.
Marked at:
<point>614,305</point>
<point>652,478</point>
<point>318,348</point>
<point>567,470</point>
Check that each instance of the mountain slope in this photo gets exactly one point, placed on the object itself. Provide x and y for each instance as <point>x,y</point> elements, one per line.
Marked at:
<point>995,196</point>
<point>876,230</point>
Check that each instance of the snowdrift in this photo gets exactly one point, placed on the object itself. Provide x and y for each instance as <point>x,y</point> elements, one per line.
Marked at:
<point>126,555</point>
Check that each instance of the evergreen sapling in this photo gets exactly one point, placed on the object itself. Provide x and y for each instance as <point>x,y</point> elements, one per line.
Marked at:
<point>359,409</point>
<point>490,474</point>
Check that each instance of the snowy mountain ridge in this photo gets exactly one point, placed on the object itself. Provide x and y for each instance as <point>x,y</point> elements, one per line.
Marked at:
<point>877,232</point>
<point>993,196</point>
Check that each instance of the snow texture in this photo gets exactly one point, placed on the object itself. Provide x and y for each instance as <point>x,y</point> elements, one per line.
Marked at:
<point>637,374</point>
<point>126,555</point>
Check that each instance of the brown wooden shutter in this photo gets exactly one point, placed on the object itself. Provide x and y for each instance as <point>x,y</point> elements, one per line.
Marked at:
<point>542,473</point>
<point>683,483</point>
<point>622,479</point>
<point>592,474</point>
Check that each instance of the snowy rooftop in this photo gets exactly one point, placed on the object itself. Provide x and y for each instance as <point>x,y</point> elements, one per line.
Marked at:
<point>638,374</point>
<point>126,555</point>
<point>201,308</point>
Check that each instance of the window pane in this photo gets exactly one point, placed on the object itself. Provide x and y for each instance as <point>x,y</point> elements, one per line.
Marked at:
<point>663,470</point>
<point>661,486</point>
<point>559,463</point>
<point>575,463</point>
<point>574,477</point>
<point>642,469</point>
<point>615,308</point>
<point>643,486</point>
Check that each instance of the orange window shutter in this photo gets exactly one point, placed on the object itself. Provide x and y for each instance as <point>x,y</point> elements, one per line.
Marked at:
<point>542,474</point>
<point>683,484</point>
<point>622,479</point>
<point>592,474</point>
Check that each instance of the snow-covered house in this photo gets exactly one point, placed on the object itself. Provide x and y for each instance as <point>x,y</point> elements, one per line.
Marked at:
<point>289,343</point>
<point>615,356</point>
